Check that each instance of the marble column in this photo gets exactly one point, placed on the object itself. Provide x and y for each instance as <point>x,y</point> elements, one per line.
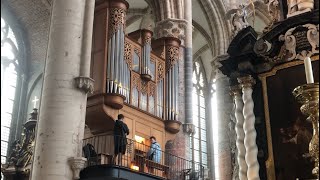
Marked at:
<point>236,93</point>
<point>251,156</point>
<point>63,104</point>
<point>224,107</point>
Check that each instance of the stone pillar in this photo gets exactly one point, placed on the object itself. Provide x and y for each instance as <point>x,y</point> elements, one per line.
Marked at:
<point>188,68</point>
<point>251,156</point>
<point>224,107</point>
<point>236,93</point>
<point>63,104</point>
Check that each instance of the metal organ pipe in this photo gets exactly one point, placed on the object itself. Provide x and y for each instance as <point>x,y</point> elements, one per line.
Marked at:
<point>172,92</point>
<point>177,90</point>
<point>109,68</point>
<point>112,63</point>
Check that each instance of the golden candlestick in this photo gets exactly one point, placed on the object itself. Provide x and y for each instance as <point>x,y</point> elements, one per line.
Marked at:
<point>308,96</point>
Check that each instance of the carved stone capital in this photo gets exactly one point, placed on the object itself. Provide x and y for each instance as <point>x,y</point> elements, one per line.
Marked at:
<point>235,91</point>
<point>77,164</point>
<point>171,28</point>
<point>189,128</point>
<point>246,81</point>
<point>85,83</point>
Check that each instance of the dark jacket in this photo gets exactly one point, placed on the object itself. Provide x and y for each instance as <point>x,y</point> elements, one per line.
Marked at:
<point>120,132</point>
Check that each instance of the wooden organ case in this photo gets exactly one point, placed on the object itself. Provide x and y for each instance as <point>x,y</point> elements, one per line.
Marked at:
<point>131,71</point>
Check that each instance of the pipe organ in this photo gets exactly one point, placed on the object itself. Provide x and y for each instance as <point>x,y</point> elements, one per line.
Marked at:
<point>172,80</point>
<point>146,95</point>
<point>129,70</point>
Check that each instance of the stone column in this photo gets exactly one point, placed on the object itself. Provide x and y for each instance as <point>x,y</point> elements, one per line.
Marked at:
<point>251,156</point>
<point>224,107</point>
<point>188,68</point>
<point>236,93</point>
<point>63,104</point>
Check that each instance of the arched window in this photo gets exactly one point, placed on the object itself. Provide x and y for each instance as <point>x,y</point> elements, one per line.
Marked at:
<point>200,150</point>
<point>9,77</point>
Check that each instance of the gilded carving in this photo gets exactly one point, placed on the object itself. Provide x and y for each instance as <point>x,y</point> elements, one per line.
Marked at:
<point>137,51</point>
<point>308,96</point>
<point>128,54</point>
<point>144,87</point>
<point>21,152</point>
<point>274,12</point>
<point>117,19</point>
<point>152,89</point>
<point>147,40</point>
<point>247,81</point>
<point>172,56</point>
<point>160,70</point>
<point>135,81</point>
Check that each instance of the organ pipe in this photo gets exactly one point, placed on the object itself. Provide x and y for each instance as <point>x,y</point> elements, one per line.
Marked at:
<point>146,53</point>
<point>172,81</point>
<point>117,70</point>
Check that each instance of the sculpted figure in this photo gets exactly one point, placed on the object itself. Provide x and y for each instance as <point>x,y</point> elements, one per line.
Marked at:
<point>239,19</point>
<point>296,7</point>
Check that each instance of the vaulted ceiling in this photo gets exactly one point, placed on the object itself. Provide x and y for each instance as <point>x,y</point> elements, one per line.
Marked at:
<point>211,34</point>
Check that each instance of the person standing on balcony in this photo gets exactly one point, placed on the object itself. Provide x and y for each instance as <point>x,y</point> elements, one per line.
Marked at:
<point>120,131</point>
<point>154,152</point>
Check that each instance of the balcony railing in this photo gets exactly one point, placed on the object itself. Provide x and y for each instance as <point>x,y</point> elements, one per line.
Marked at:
<point>164,165</point>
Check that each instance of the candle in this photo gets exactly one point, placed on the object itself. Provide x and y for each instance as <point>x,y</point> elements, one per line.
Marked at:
<point>308,68</point>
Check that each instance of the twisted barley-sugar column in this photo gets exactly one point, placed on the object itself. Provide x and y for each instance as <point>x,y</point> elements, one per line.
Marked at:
<point>247,83</point>
<point>236,93</point>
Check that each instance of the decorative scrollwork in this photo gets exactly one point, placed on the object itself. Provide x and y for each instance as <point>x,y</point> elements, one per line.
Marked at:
<point>295,44</point>
<point>135,81</point>
<point>147,40</point>
<point>117,19</point>
<point>128,54</point>
<point>160,74</point>
<point>313,36</point>
<point>144,87</point>
<point>290,43</point>
<point>172,56</point>
<point>152,89</point>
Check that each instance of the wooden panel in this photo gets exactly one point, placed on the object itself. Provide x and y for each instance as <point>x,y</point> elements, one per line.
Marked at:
<point>129,123</point>
<point>143,129</point>
<point>159,136</point>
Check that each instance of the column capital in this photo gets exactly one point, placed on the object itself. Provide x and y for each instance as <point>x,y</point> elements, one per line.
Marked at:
<point>247,81</point>
<point>86,84</point>
<point>171,28</point>
<point>189,128</point>
<point>235,90</point>
<point>77,164</point>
